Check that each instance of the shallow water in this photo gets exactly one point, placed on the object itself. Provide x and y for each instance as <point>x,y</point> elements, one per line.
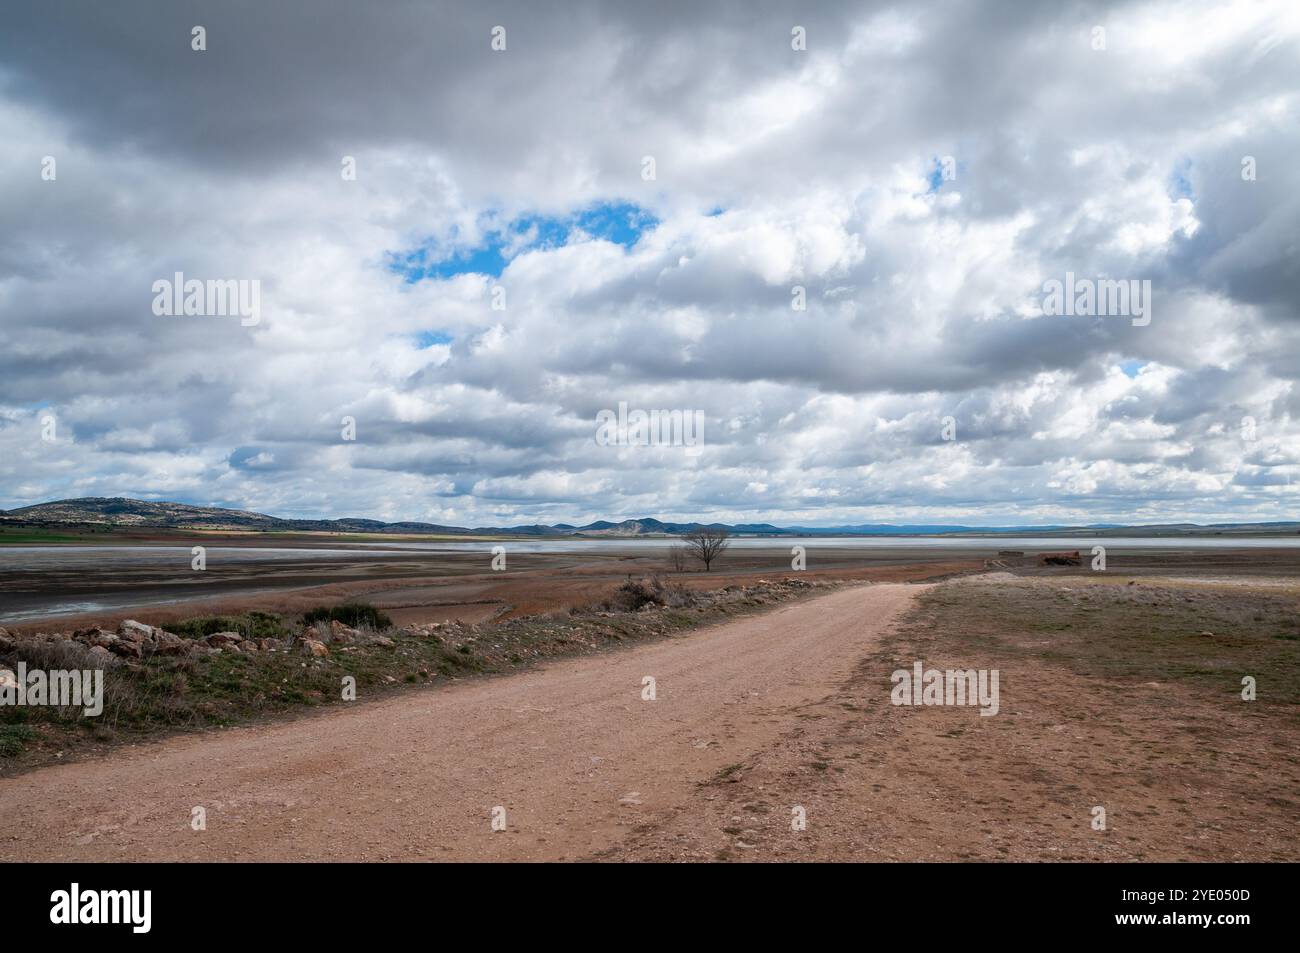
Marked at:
<point>870,542</point>
<point>109,557</point>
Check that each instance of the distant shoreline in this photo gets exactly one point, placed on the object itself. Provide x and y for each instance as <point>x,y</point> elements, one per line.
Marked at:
<point>113,515</point>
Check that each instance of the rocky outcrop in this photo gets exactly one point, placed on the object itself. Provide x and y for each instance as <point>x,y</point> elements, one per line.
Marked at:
<point>100,655</point>
<point>222,640</point>
<point>134,641</point>
<point>338,634</point>
<point>127,649</point>
<point>169,644</point>
<point>137,631</point>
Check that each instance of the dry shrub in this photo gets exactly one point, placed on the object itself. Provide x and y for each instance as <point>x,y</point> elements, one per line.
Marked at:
<point>638,593</point>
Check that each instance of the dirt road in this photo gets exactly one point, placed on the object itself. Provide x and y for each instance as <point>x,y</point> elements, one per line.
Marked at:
<point>572,752</point>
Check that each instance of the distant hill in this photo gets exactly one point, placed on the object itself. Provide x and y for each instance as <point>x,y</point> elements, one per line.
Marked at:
<point>145,514</point>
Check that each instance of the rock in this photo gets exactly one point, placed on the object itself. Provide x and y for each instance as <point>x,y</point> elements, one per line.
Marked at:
<point>382,641</point>
<point>135,631</point>
<point>100,655</point>
<point>317,631</point>
<point>169,644</point>
<point>1060,559</point>
<point>126,648</point>
<point>314,648</point>
<point>220,640</point>
<point>7,642</point>
<point>99,637</point>
<point>343,634</point>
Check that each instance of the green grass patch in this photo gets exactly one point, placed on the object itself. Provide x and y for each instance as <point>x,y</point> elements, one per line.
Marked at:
<point>19,537</point>
<point>251,625</point>
<point>14,739</point>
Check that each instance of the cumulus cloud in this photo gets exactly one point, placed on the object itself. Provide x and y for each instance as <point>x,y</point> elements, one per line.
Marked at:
<point>501,270</point>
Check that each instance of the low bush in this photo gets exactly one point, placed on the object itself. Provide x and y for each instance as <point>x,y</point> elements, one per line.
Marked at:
<point>636,593</point>
<point>356,615</point>
<point>251,625</point>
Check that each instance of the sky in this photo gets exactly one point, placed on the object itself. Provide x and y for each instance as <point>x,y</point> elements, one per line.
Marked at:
<point>622,208</point>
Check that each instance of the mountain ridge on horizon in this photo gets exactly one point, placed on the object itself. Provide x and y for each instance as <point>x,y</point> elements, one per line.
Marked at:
<point>161,514</point>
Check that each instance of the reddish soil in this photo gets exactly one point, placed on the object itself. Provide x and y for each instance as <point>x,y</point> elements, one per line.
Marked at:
<point>572,752</point>
<point>754,721</point>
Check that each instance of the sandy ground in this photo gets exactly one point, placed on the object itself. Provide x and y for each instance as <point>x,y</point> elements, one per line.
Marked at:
<point>572,752</point>
<point>1182,773</point>
<point>755,722</point>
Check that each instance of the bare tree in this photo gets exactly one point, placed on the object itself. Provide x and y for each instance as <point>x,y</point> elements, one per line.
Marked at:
<point>707,544</point>
<point>677,556</point>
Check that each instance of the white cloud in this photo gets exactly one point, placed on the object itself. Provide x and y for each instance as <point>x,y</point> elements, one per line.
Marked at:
<point>922,303</point>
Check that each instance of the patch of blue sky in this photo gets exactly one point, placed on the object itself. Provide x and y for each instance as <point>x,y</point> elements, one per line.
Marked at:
<point>1132,368</point>
<point>622,223</point>
<point>936,177</point>
<point>427,339</point>
<point>422,262</point>
<point>1180,180</point>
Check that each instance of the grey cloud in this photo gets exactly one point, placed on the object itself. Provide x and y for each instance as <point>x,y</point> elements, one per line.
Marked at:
<point>226,164</point>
